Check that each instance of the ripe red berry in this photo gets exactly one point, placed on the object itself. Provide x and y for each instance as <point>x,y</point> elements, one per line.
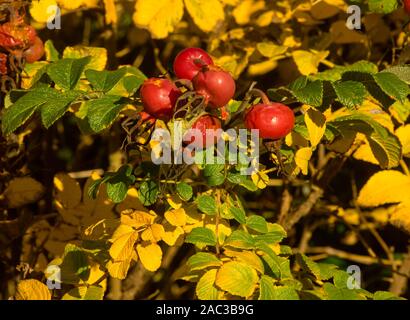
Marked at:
<point>208,129</point>
<point>17,34</point>
<point>190,61</point>
<point>35,51</point>
<point>406,4</point>
<point>3,64</point>
<point>274,120</point>
<point>159,97</point>
<point>216,85</point>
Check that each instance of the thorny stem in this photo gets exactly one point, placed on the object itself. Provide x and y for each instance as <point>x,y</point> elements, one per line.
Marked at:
<point>218,205</point>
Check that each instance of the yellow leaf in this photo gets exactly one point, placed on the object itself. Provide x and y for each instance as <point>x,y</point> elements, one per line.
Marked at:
<point>403,133</point>
<point>388,186</point>
<point>119,269</point>
<point>265,19</point>
<point>237,278</point>
<point>124,239</point>
<point>110,12</point>
<point>302,158</point>
<point>67,191</point>
<point>176,217</point>
<point>205,288</point>
<point>159,17</point>
<point>248,257</point>
<point>341,4</point>
<point>153,233</point>
<point>400,216</point>
<point>230,2</point>
<point>136,219</point>
<point>308,62</point>
<point>260,179</point>
<point>316,125</point>
<point>32,290</point>
<point>270,50</point>
<point>243,12</point>
<point>40,11</point>
<point>70,4</point>
<point>172,235</point>
<point>30,71</point>
<point>174,201</point>
<point>260,68</point>
<point>150,256</point>
<point>95,274</point>
<point>296,139</point>
<point>206,14</point>
<point>98,56</point>
<point>22,191</point>
<point>364,152</point>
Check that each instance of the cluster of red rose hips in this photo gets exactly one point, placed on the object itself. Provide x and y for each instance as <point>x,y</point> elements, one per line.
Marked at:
<point>216,87</point>
<point>21,40</point>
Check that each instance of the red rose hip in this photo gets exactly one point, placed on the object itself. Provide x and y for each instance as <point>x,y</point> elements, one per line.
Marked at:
<point>215,85</point>
<point>190,61</point>
<point>159,97</point>
<point>207,127</point>
<point>273,120</point>
<point>406,4</point>
<point>35,51</point>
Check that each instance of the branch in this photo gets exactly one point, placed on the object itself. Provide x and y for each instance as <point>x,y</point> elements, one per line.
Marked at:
<point>400,279</point>
<point>348,256</point>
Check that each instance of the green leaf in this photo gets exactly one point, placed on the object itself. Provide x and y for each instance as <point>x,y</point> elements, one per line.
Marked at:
<point>214,175</point>
<point>55,108</point>
<point>350,93</point>
<point>85,293</point>
<point>334,293</point>
<point>207,205</point>
<point>279,266</point>
<point>148,193</point>
<point>19,112</point>
<point>52,54</point>
<point>266,288</point>
<point>67,72</point>
<point>129,84</point>
<point>184,190</point>
<point>308,265</point>
<point>104,80</point>
<point>385,146</point>
<point>392,86</point>
<point>240,239</point>
<point>269,238</point>
<point>336,73</point>
<point>268,291</point>
<point>75,265</point>
<point>215,180</point>
<point>237,278</point>
<point>103,111</point>
<point>242,180</point>
<point>202,260</point>
<point>201,236</point>
<point>239,214</point>
<point>401,71</point>
<point>385,295</point>
<point>118,183</point>
<point>327,270</point>
<point>311,94</point>
<point>372,87</point>
<point>257,223</point>
<point>383,6</point>
<point>205,289</point>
